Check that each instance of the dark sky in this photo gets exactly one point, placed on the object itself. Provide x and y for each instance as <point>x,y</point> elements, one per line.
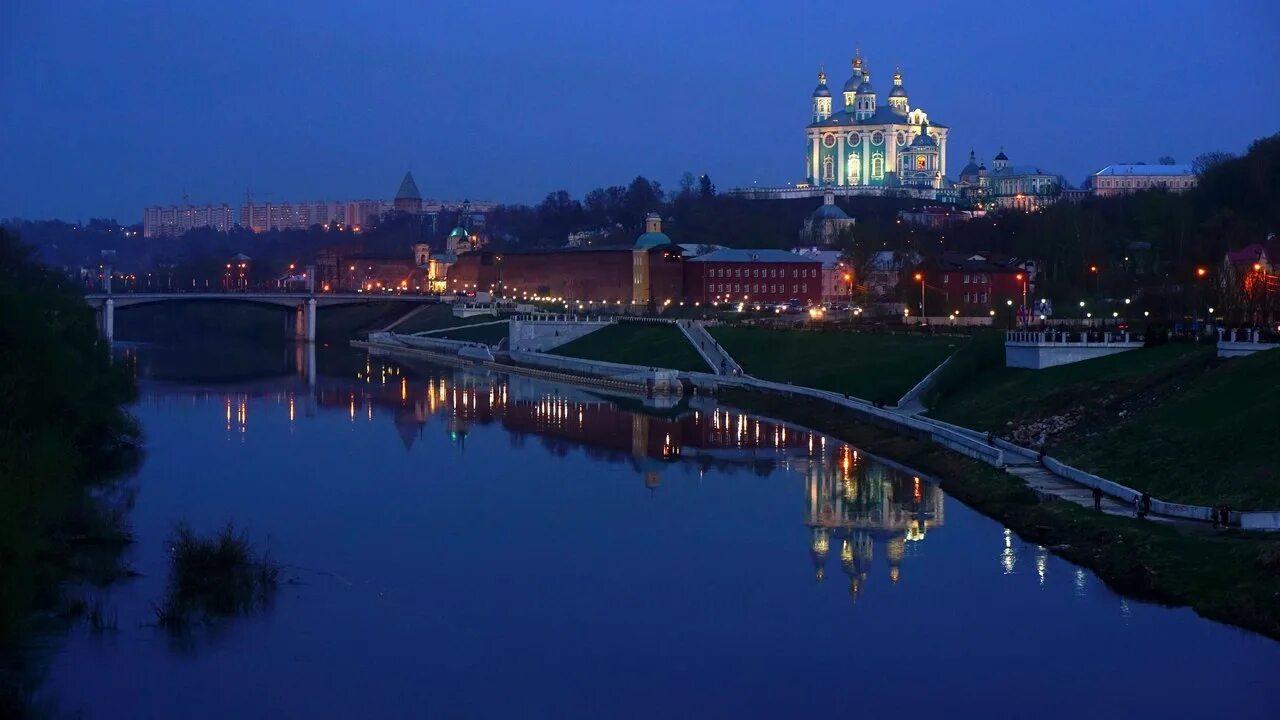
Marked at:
<point>110,106</point>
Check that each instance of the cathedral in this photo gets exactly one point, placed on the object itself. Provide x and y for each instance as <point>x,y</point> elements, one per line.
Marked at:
<point>867,146</point>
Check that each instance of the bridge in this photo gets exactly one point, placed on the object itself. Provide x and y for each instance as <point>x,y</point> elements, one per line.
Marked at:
<point>304,303</point>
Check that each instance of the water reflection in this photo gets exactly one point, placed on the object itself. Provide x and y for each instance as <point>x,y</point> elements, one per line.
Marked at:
<point>864,507</point>
<point>455,531</point>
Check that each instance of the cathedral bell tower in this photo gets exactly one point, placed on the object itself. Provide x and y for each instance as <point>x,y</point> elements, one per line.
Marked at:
<point>821,99</point>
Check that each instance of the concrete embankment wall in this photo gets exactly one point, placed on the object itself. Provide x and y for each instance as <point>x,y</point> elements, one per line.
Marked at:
<point>1039,357</point>
<point>543,335</point>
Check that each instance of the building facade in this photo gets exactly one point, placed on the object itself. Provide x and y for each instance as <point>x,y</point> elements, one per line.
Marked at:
<point>1124,179</point>
<point>825,225</point>
<point>1021,187</point>
<point>175,220</point>
<point>734,275</point>
<point>978,283</point>
<point>868,145</point>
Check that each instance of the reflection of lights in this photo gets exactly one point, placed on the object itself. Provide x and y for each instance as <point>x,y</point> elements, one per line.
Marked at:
<point>1007,557</point>
<point>1042,563</point>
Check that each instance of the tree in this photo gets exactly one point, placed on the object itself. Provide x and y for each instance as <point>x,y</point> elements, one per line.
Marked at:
<point>705,188</point>
<point>1167,160</point>
<point>1206,161</point>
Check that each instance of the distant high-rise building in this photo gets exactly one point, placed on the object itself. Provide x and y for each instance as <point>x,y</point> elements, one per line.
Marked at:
<point>174,220</point>
<point>263,217</point>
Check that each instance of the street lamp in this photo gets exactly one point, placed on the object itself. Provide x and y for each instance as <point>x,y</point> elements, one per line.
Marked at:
<point>920,278</point>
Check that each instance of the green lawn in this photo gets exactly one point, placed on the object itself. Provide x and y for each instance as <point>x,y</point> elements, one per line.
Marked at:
<point>487,334</point>
<point>661,346</point>
<point>1172,420</point>
<point>438,317</point>
<point>1214,440</point>
<point>1000,394</point>
<point>872,366</point>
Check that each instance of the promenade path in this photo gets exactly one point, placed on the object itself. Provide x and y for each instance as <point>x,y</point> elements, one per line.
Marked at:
<point>716,356</point>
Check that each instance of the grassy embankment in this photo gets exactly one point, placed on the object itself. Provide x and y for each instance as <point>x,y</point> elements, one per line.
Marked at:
<point>62,432</point>
<point>1229,576</point>
<point>661,346</point>
<point>1172,420</point>
<point>871,366</point>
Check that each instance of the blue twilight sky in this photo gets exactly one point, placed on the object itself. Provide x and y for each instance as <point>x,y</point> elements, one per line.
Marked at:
<point>113,105</point>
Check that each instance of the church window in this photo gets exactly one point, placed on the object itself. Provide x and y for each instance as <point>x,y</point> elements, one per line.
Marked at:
<point>829,140</point>
<point>854,139</point>
<point>920,162</point>
<point>828,169</point>
<point>877,138</point>
<point>877,166</point>
<point>855,169</point>
<point>902,138</point>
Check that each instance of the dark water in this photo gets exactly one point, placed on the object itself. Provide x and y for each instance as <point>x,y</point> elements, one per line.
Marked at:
<point>472,545</point>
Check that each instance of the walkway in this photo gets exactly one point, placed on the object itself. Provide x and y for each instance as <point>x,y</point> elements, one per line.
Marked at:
<point>717,357</point>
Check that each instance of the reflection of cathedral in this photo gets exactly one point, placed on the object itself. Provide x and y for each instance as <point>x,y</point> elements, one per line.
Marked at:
<point>856,507</point>
<point>858,504</point>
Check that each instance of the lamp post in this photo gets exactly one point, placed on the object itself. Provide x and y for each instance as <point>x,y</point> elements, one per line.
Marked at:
<point>920,277</point>
<point>1009,303</point>
<point>1201,272</point>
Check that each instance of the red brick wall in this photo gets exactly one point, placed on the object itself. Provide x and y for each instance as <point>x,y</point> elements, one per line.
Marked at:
<point>986,290</point>
<point>765,281</point>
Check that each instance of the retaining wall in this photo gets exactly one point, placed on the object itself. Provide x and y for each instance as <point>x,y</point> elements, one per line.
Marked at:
<point>543,335</point>
<point>1039,357</point>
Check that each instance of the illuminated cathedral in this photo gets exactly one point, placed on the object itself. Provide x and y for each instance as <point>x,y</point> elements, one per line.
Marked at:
<point>868,146</point>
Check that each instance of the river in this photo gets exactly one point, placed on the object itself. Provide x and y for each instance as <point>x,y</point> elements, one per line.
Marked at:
<point>462,544</point>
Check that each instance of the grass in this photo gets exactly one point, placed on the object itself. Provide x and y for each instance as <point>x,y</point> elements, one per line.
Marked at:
<point>438,317</point>
<point>1172,420</point>
<point>1001,395</point>
<point>871,366</point>
<point>214,577</point>
<point>487,334</point>
<point>1212,440</point>
<point>651,345</point>
<point>1229,576</point>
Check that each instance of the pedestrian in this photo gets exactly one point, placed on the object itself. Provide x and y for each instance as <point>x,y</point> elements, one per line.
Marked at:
<point>1137,506</point>
<point>1097,499</point>
<point>1226,515</point>
<point>1146,504</point>
<point>990,440</point>
<point>1215,513</point>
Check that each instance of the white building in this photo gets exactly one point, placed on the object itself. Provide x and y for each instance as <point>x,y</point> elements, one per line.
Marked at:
<point>1123,179</point>
<point>174,220</point>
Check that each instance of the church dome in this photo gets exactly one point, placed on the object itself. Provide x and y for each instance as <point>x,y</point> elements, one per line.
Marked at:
<point>829,212</point>
<point>1002,156</point>
<point>898,91</point>
<point>865,88</point>
<point>970,169</point>
<point>652,240</point>
<point>459,232</point>
<point>653,236</point>
<point>852,84</point>
<point>924,139</point>
<point>822,91</point>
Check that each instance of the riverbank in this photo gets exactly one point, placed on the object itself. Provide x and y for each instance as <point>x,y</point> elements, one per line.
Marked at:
<point>1229,576</point>
<point>63,433</point>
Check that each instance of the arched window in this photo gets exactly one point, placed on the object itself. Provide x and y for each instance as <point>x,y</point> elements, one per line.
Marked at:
<point>828,172</point>
<point>855,168</point>
<point>877,166</point>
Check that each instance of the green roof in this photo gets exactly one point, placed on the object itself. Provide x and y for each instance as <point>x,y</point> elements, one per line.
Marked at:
<point>459,232</point>
<point>652,239</point>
